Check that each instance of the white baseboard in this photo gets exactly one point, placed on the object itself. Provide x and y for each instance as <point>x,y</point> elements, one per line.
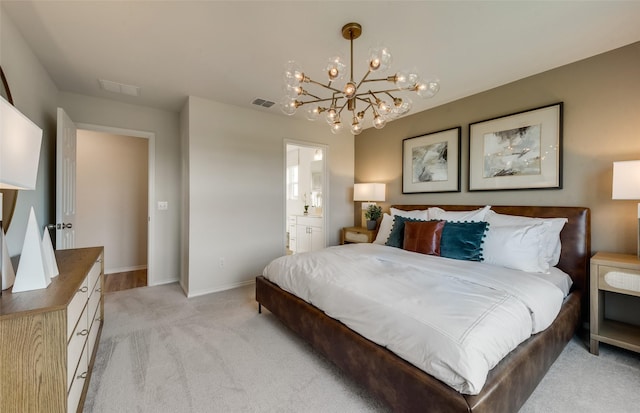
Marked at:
<point>221,288</point>
<point>124,269</point>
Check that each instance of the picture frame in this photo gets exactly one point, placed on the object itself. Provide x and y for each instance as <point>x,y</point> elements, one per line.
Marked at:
<point>518,151</point>
<point>431,162</point>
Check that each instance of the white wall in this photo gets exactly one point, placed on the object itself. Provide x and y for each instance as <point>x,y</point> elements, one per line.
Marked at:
<point>235,163</point>
<point>165,126</point>
<point>111,200</point>
<point>35,95</point>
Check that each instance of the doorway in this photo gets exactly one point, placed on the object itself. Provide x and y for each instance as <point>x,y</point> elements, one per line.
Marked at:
<point>113,195</point>
<point>306,196</point>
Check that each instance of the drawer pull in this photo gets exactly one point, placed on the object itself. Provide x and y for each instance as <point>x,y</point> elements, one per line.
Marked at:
<point>83,289</point>
<point>83,332</point>
<point>82,376</point>
<point>98,290</point>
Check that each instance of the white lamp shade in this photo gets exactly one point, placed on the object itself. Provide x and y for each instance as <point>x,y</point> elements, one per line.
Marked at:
<point>626,180</point>
<point>20,141</point>
<point>368,192</point>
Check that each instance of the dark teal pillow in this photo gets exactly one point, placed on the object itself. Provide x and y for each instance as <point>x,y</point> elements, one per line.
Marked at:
<point>396,236</point>
<point>463,240</point>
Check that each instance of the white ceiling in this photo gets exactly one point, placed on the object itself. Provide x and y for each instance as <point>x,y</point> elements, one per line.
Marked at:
<point>233,52</point>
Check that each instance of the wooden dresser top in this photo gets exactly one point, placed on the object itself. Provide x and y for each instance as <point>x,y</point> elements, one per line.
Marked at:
<point>74,265</point>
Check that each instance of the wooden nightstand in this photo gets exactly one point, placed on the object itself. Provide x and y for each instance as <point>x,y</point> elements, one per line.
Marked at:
<point>617,273</point>
<point>350,235</point>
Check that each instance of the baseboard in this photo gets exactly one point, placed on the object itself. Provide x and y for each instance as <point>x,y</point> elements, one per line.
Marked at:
<point>221,288</point>
<point>124,269</point>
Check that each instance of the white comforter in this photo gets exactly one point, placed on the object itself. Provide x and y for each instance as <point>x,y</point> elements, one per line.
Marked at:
<point>453,319</point>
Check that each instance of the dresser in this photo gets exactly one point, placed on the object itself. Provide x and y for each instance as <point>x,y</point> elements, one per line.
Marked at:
<point>49,337</point>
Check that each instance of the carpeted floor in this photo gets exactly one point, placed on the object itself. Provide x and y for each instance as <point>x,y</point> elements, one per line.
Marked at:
<point>162,352</point>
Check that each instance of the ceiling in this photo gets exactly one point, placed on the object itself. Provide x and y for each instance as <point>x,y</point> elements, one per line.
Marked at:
<point>234,52</point>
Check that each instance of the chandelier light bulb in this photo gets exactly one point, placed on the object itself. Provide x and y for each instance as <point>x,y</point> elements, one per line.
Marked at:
<point>384,107</point>
<point>407,79</point>
<point>379,59</point>
<point>293,74</point>
<point>335,68</point>
<point>356,127</point>
<point>294,91</point>
<point>313,113</point>
<point>350,90</point>
<point>427,89</point>
<point>289,106</point>
<point>336,127</point>
<point>379,121</point>
<point>401,106</point>
<point>332,115</point>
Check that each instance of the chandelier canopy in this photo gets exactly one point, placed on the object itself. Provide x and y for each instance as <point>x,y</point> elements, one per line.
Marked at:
<point>357,98</point>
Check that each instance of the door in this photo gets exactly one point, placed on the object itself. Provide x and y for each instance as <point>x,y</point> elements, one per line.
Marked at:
<point>65,181</point>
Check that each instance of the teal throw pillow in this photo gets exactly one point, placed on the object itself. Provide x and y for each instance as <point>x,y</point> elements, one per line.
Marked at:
<point>396,236</point>
<point>463,240</point>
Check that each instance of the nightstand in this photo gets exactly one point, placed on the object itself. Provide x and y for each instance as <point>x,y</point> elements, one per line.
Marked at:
<point>357,234</point>
<point>617,273</point>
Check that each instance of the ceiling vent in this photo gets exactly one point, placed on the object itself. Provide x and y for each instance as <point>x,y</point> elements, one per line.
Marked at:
<point>262,102</point>
<point>116,87</point>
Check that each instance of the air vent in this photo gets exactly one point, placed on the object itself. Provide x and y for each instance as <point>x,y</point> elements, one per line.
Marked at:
<point>262,102</point>
<point>116,87</point>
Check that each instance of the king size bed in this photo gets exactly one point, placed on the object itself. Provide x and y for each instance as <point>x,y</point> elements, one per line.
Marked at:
<point>382,357</point>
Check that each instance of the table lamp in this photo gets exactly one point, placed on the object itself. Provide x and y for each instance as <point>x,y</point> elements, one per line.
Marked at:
<point>20,141</point>
<point>626,185</point>
<point>368,193</point>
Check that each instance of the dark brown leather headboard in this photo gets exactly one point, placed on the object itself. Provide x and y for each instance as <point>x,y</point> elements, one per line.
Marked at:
<point>575,236</point>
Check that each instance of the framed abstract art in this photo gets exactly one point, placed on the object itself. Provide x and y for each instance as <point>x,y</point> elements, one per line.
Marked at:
<point>431,162</point>
<point>518,151</point>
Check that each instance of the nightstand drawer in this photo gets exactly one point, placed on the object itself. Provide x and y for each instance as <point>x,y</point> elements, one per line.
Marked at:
<point>357,234</point>
<point>621,280</point>
<point>350,236</point>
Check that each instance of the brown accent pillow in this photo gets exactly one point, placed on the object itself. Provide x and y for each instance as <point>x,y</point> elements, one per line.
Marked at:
<point>423,236</point>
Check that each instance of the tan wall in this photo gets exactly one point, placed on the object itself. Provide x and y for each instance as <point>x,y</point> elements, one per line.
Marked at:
<point>601,98</point>
<point>111,198</point>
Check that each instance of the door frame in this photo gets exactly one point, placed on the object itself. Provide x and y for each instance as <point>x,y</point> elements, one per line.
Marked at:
<point>151,187</point>
<point>325,184</point>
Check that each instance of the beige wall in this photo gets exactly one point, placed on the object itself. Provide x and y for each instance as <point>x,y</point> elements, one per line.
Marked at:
<point>111,198</point>
<point>35,95</point>
<point>165,126</point>
<point>601,98</point>
<point>235,185</point>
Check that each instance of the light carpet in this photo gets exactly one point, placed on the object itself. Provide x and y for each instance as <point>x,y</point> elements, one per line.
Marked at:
<point>162,352</point>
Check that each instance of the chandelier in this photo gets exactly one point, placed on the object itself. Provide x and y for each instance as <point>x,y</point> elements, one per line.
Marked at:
<point>354,100</point>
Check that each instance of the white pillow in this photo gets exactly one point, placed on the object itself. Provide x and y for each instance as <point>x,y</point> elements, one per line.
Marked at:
<point>385,229</point>
<point>477,215</point>
<point>516,246</point>
<point>551,241</point>
<point>422,214</point>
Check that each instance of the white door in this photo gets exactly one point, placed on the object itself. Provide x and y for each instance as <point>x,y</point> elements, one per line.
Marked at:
<point>65,181</point>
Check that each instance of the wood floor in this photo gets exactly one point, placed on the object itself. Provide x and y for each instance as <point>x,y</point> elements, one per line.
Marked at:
<point>125,280</point>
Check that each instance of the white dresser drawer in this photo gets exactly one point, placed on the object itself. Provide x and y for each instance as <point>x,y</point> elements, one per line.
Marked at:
<point>94,274</point>
<point>78,380</point>
<point>75,346</point>
<point>94,300</point>
<point>93,335</point>
<point>76,306</point>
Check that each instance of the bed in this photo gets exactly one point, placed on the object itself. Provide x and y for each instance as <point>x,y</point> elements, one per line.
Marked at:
<point>407,388</point>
